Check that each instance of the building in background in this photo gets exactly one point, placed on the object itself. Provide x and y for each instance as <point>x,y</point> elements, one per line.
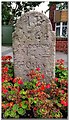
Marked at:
<point>58,16</point>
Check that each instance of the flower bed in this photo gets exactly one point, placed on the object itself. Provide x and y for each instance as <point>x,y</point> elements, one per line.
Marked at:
<point>34,98</point>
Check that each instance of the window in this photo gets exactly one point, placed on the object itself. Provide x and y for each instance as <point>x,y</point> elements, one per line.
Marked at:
<point>58,29</point>
<point>64,29</point>
<point>61,29</point>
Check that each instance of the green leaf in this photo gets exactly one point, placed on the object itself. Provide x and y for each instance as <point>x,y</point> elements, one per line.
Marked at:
<point>12,114</point>
<point>53,114</point>
<point>31,100</point>
<point>7,113</point>
<point>41,102</point>
<point>43,110</point>
<point>21,111</point>
<point>16,85</point>
<point>11,74</point>
<point>3,95</point>
<point>56,101</point>
<point>25,83</point>
<point>15,107</point>
<point>10,70</point>
<point>24,105</point>
<point>64,73</point>
<point>23,97</point>
<point>58,114</point>
<point>12,92</point>
<point>23,92</point>
<point>9,96</point>
<point>33,86</point>
<point>9,84</point>
<point>34,80</point>
<point>35,102</point>
<point>17,116</point>
<point>59,105</point>
<point>39,113</point>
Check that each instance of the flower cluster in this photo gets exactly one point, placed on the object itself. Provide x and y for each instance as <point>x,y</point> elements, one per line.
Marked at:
<point>61,71</point>
<point>6,58</point>
<point>34,98</point>
<point>60,62</point>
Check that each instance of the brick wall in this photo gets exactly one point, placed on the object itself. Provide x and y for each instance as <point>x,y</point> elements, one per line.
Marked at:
<point>62,45</point>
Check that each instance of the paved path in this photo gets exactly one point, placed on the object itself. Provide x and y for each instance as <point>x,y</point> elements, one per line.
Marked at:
<point>59,55</point>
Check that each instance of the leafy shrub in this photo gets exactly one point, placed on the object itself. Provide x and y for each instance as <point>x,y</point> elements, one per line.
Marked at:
<point>60,71</point>
<point>33,98</point>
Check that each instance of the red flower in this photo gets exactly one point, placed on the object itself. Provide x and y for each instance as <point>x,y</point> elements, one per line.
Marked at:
<point>38,78</point>
<point>11,78</point>
<point>38,84</point>
<point>3,63</point>
<point>42,87</point>
<point>5,90</point>
<point>9,57</point>
<point>7,104</point>
<point>66,84</point>
<point>28,96</point>
<point>38,69</point>
<point>10,87</point>
<point>38,90</point>
<point>62,91</point>
<point>56,79</point>
<point>3,80</point>
<point>65,103</point>
<point>32,91</point>
<point>4,106</point>
<point>3,57</point>
<point>35,98</point>
<point>43,76</point>
<point>35,108</point>
<point>5,69</point>
<point>11,104</point>
<point>6,57</point>
<point>20,82</point>
<point>14,80</point>
<point>61,61</point>
<point>48,86</point>
<point>18,88</point>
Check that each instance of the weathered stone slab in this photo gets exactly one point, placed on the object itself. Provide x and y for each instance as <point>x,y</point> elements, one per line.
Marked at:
<point>34,45</point>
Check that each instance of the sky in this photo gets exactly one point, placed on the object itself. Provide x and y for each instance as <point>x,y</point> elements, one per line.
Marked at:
<point>43,7</point>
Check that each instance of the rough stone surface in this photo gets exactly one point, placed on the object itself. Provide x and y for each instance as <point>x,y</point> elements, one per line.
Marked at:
<point>34,45</point>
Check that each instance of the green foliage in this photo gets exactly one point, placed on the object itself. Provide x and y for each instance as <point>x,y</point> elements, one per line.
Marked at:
<point>22,92</point>
<point>12,92</point>
<point>7,113</point>
<point>30,85</point>
<point>21,111</point>
<point>15,107</point>
<point>39,113</point>
<point>61,6</point>
<point>44,100</point>
<point>56,114</point>
<point>10,14</point>
<point>60,72</point>
<point>16,85</point>
<point>12,114</point>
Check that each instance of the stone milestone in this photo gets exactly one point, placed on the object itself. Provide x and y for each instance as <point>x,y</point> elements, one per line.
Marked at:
<point>34,45</point>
